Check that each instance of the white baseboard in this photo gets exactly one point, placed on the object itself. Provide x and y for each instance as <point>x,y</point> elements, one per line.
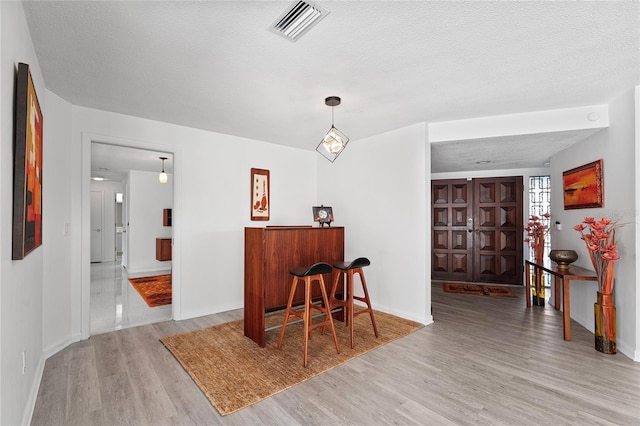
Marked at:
<point>58,346</point>
<point>33,392</point>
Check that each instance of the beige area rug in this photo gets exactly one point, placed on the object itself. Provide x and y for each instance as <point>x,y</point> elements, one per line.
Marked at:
<point>234,372</point>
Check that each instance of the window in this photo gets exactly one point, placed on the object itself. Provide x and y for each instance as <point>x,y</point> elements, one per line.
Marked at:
<point>539,204</point>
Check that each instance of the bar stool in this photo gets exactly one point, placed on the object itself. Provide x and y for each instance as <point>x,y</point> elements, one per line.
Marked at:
<point>309,275</point>
<point>351,268</point>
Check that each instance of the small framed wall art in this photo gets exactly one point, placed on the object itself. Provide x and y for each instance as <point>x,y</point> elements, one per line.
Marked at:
<point>260,193</point>
<point>27,167</point>
<point>583,186</point>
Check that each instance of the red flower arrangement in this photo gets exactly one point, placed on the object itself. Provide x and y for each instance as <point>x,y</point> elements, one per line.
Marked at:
<point>536,231</point>
<point>600,238</point>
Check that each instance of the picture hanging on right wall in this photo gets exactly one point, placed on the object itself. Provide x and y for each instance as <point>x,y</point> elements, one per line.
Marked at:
<point>583,186</point>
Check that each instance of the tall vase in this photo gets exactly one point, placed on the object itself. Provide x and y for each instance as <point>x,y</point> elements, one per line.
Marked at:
<point>538,283</point>
<point>537,289</point>
<point>604,314</point>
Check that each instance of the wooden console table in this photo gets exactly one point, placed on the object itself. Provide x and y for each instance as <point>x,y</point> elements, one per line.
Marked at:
<point>269,254</point>
<point>574,273</point>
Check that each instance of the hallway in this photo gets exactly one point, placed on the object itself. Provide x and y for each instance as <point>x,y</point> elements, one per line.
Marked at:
<point>115,304</point>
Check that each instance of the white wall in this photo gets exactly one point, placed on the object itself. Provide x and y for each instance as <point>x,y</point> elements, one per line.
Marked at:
<point>108,189</point>
<point>211,204</point>
<point>148,198</point>
<point>21,282</point>
<point>616,147</point>
<point>57,225</point>
<point>378,191</point>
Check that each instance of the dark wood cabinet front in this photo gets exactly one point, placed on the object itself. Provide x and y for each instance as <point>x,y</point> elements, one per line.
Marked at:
<point>270,253</point>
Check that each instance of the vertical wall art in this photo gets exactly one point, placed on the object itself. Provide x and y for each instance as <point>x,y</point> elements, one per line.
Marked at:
<point>260,194</point>
<point>27,167</point>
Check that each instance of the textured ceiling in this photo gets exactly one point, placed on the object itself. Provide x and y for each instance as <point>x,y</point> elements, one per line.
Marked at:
<point>507,152</point>
<point>214,65</point>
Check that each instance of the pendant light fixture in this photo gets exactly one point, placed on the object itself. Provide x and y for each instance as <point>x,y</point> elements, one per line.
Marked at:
<point>163,176</point>
<point>334,141</point>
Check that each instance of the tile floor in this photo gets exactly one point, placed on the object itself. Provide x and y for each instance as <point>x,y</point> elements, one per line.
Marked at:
<point>114,302</point>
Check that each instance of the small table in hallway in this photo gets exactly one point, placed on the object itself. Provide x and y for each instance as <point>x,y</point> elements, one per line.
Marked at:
<point>573,273</point>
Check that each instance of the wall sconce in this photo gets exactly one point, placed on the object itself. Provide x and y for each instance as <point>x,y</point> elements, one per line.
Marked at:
<point>334,141</point>
<point>163,176</point>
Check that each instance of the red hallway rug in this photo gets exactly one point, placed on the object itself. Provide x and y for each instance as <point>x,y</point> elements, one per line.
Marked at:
<point>156,291</point>
<point>489,290</point>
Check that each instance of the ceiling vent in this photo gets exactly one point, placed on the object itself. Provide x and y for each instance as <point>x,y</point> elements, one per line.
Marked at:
<point>299,17</point>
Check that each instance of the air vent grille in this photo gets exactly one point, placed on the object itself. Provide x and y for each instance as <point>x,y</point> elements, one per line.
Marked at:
<point>299,18</point>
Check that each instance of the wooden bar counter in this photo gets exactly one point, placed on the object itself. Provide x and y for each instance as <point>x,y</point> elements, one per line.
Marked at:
<point>269,254</point>
<point>573,273</point>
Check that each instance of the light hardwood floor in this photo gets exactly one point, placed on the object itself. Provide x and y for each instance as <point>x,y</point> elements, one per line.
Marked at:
<point>485,360</point>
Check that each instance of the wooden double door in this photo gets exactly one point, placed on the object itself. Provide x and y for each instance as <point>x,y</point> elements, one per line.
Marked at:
<point>477,231</point>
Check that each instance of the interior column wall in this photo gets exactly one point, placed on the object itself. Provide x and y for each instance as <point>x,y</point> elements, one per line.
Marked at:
<point>377,188</point>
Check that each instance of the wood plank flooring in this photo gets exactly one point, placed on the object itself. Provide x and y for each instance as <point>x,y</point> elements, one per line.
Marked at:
<point>485,360</point>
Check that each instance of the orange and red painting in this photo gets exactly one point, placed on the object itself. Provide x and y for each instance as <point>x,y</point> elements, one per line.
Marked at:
<point>583,187</point>
<point>27,192</point>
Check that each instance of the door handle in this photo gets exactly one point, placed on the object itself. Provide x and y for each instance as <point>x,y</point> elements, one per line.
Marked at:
<point>98,230</point>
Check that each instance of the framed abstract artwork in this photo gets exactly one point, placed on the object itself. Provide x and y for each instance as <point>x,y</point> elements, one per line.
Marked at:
<point>260,201</point>
<point>27,167</point>
<point>583,186</point>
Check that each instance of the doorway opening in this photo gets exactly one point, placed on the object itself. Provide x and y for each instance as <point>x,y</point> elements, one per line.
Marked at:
<point>127,205</point>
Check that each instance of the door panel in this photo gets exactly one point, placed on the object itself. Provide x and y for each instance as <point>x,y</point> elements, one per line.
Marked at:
<point>451,240</point>
<point>477,231</point>
<point>499,230</point>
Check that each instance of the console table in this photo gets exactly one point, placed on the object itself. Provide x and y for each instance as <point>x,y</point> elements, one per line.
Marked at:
<point>573,273</point>
<point>269,254</point>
